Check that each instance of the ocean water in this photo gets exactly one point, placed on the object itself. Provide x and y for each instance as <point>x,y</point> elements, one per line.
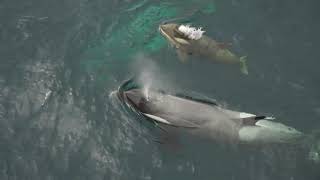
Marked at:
<point>61,63</point>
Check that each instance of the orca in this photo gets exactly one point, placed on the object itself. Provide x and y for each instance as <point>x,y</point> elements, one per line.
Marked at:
<point>202,118</point>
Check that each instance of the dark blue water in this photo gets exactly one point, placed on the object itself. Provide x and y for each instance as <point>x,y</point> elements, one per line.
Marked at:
<point>60,120</point>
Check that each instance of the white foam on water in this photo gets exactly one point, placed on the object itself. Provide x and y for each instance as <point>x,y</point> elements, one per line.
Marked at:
<point>191,32</point>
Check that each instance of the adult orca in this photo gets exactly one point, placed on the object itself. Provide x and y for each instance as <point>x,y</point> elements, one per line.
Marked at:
<point>199,117</point>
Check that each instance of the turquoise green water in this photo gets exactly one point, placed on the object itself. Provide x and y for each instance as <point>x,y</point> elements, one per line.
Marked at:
<point>61,61</point>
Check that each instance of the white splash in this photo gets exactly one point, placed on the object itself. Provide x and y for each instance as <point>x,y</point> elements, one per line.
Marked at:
<point>146,88</point>
<point>112,94</point>
<point>191,32</point>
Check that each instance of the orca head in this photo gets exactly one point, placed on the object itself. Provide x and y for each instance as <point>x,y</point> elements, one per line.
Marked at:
<point>135,98</point>
<point>144,101</point>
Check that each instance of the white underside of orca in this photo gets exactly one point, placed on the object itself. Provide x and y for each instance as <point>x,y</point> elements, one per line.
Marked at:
<point>156,118</point>
<point>272,125</point>
<point>246,115</point>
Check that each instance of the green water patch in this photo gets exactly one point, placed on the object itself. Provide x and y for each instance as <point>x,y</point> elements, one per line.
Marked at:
<point>131,37</point>
<point>210,8</point>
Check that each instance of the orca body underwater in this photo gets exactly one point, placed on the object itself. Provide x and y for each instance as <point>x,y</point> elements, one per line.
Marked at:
<point>206,119</point>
